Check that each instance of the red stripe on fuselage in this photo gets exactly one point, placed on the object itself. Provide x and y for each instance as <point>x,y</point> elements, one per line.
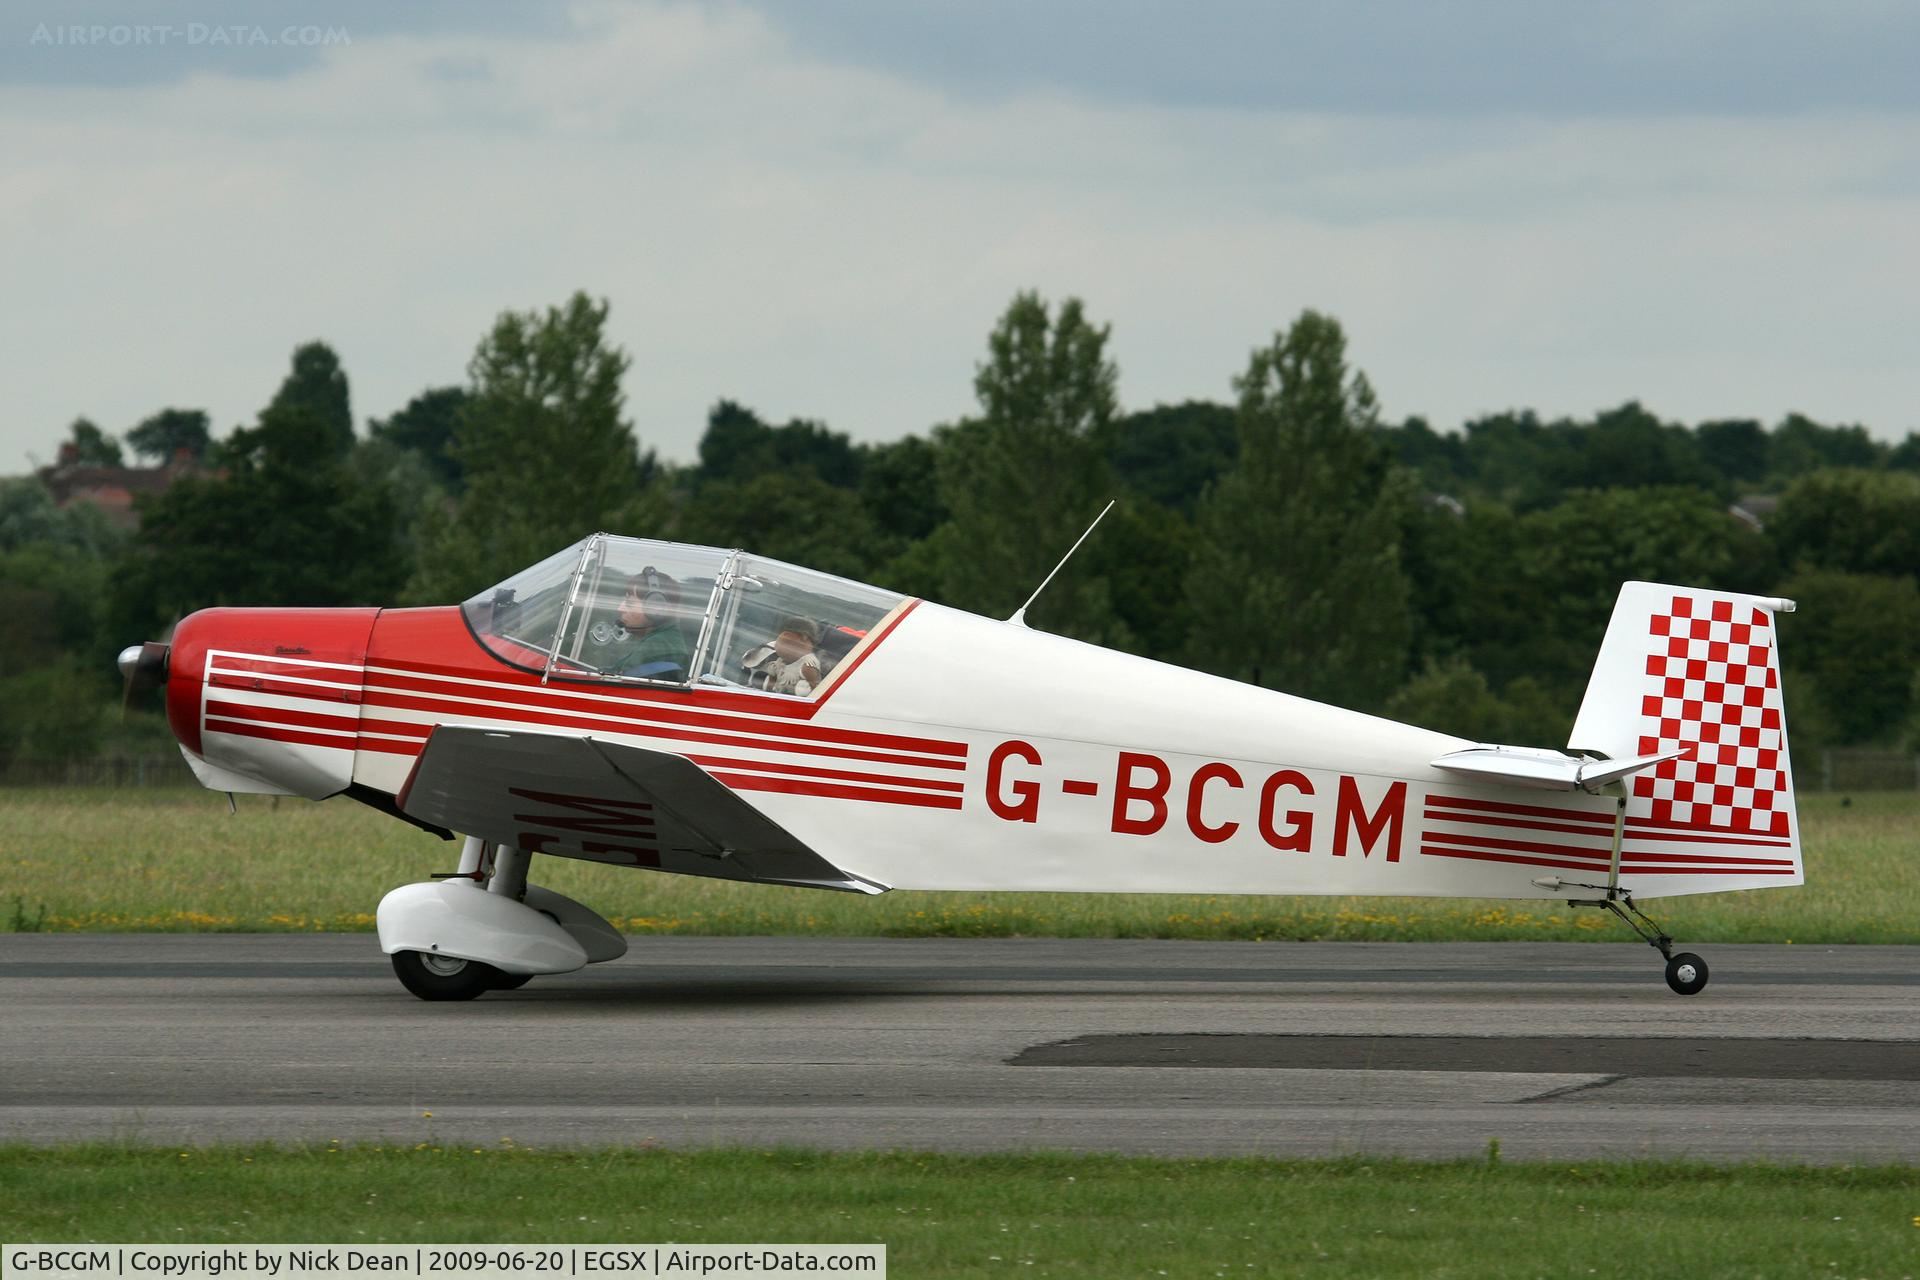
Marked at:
<point>260,664</point>
<point>469,711</point>
<point>323,691</point>
<point>276,733</point>
<point>1587,852</point>
<point>1638,828</point>
<point>1525,846</point>
<point>1662,837</point>
<point>1531,810</point>
<point>1701,830</point>
<point>1505,822</point>
<point>835,791</point>
<point>282,715</point>
<point>610,704</point>
<point>843,775</point>
<point>1625,867</point>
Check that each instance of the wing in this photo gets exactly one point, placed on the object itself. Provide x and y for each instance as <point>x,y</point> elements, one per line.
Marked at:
<point>584,797</point>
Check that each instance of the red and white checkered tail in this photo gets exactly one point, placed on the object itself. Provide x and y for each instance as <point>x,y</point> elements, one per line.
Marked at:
<point>1683,667</point>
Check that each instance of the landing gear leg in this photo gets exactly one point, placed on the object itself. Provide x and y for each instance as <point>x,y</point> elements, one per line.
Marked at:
<point>1686,972</point>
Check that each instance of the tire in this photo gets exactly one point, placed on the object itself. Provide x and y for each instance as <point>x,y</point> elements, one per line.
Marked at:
<point>436,977</point>
<point>1687,973</point>
<point>510,981</point>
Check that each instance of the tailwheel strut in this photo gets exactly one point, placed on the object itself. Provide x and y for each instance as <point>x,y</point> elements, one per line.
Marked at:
<point>1686,972</point>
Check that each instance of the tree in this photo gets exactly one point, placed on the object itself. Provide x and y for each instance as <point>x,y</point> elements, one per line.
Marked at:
<point>1856,638</point>
<point>1024,482</point>
<point>51,603</point>
<point>29,516</point>
<point>793,516</point>
<point>1530,595</point>
<point>1296,581</point>
<point>737,445</point>
<point>1853,521</point>
<point>427,426</point>
<point>1449,696</point>
<point>53,712</point>
<point>1629,448</point>
<point>548,456</point>
<point>1172,452</point>
<point>318,385</point>
<point>1799,445</point>
<point>1906,454</point>
<point>900,485</point>
<point>1437,460</point>
<point>88,446</point>
<point>1515,459</point>
<point>1143,550</point>
<point>287,524</point>
<point>160,437</point>
<point>1734,449</point>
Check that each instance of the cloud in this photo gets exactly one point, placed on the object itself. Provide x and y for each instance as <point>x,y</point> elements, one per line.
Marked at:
<point>1394,57</point>
<point>834,241</point>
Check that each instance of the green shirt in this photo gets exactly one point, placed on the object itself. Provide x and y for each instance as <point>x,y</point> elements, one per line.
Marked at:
<point>660,653</point>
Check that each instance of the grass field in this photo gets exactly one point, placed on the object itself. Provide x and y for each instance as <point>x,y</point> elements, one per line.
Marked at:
<point>1053,1215</point>
<point>177,860</point>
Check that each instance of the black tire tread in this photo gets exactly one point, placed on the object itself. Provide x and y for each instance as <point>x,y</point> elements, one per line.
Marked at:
<point>474,980</point>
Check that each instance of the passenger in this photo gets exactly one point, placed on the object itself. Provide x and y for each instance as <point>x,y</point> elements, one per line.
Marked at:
<point>648,643</point>
<point>788,665</point>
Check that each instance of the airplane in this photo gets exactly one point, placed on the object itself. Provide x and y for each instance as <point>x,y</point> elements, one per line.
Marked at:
<point>711,712</point>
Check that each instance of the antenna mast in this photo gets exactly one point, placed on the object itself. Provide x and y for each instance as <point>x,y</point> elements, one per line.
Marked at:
<point>1019,618</point>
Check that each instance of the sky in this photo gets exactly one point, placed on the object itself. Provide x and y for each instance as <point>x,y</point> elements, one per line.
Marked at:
<point>819,210</point>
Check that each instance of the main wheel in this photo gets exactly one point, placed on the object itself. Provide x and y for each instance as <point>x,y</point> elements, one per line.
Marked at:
<point>1687,973</point>
<point>511,981</point>
<point>438,977</point>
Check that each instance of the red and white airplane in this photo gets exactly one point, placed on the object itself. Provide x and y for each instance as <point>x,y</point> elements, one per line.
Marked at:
<point>709,712</point>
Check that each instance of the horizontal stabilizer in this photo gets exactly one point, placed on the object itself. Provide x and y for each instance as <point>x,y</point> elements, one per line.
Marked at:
<point>1546,770</point>
<point>582,797</point>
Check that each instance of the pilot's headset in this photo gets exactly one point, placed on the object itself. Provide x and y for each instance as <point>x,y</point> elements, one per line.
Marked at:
<point>659,591</point>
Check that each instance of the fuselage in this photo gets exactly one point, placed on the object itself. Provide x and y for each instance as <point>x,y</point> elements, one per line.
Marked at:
<point>946,751</point>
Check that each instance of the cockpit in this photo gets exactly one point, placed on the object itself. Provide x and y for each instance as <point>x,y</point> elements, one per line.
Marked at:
<point>635,610</point>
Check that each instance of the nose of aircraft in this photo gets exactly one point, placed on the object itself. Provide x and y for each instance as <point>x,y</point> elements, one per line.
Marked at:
<point>249,690</point>
<point>143,666</point>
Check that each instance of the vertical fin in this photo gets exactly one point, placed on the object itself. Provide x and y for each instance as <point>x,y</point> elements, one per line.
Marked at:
<point>1685,668</point>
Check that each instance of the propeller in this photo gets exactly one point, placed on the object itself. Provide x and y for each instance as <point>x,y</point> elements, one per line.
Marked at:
<point>142,667</point>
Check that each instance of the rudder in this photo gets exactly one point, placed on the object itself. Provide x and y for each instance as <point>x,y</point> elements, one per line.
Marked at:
<point>1686,667</point>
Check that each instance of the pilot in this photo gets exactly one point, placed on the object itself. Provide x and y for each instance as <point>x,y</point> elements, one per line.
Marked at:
<point>648,642</point>
<point>789,664</point>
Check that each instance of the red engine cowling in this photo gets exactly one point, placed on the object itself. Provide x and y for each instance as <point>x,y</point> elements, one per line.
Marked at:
<point>269,699</point>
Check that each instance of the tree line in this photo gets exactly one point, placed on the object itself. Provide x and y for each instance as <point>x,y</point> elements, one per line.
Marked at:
<point>1287,536</point>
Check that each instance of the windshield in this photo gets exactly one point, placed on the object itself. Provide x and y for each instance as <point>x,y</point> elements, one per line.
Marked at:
<point>518,619</point>
<point>632,609</point>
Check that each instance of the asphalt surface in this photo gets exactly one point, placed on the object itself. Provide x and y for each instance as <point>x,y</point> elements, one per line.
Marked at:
<point>1563,1051</point>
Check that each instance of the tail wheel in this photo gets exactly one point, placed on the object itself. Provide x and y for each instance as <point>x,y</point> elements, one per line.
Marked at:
<point>1687,973</point>
<point>438,977</point>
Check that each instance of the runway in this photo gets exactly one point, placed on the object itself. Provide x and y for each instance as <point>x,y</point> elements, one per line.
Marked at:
<point>1564,1051</point>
